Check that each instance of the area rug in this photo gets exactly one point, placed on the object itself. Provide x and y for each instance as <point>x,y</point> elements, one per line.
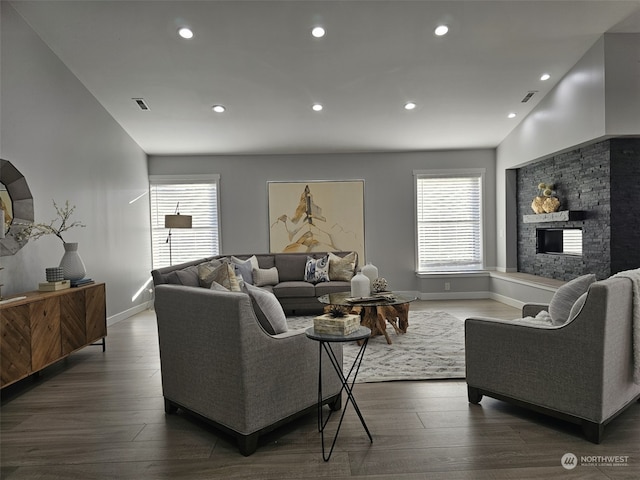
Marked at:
<point>432,348</point>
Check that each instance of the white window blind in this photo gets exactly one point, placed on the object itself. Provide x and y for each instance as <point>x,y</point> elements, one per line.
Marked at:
<point>197,196</point>
<point>449,221</point>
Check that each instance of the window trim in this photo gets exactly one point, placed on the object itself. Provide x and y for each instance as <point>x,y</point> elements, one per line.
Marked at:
<point>450,173</point>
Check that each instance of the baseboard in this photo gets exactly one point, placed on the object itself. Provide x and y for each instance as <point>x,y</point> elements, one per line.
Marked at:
<point>453,295</point>
<point>129,313</point>
<point>512,302</point>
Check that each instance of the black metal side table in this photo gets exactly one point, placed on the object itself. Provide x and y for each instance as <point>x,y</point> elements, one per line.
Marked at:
<point>361,335</point>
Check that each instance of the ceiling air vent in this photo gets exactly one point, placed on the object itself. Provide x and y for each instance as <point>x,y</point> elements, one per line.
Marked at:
<point>141,103</point>
<point>528,96</point>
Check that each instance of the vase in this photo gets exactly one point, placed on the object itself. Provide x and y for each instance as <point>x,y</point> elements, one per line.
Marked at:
<point>360,285</point>
<point>71,263</point>
<point>371,272</point>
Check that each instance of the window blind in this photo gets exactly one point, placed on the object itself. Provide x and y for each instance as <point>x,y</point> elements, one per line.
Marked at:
<point>449,222</point>
<point>197,196</point>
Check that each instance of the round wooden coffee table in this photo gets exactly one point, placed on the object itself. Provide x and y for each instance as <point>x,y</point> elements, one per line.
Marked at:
<point>376,311</point>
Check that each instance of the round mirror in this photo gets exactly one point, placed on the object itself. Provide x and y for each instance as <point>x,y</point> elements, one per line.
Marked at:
<point>17,205</point>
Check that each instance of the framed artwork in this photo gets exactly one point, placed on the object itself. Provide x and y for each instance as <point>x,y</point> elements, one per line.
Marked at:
<point>316,216</point>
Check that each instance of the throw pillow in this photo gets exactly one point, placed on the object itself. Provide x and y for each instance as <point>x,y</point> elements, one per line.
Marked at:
<point>224,274</point>
<point>564,298</point>
<point>245,268</point>
<point>317,269</point>
<point>265,276</point>
<point>268,310</point>
<point>342,268</point>
<point>216,286</point>
<point>204,272</point>
<point>575,310</point>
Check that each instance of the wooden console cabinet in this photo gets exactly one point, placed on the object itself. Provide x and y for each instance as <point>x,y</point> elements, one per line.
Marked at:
<point>45,327</point>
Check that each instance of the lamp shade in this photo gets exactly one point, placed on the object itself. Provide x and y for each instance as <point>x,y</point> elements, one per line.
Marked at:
<point>177,221</point>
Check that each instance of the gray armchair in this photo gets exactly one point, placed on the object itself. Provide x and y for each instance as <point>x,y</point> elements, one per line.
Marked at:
<point>219,363</point>
<point>581,371</point>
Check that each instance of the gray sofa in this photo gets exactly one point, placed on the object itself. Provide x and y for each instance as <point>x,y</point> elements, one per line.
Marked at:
<point>580,371</point>
<point>220,364</point>
<point>294,294</point>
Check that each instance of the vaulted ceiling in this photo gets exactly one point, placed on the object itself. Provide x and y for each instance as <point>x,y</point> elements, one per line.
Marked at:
<point>259,60</point>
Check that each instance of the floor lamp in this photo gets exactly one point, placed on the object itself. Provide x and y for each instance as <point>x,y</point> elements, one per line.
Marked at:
<point>175,221</point>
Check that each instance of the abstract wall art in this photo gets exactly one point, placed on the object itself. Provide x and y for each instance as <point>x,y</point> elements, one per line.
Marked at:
<point>316,216</point>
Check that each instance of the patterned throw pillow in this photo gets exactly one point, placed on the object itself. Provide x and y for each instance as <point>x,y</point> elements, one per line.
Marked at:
<point>224,274</point>
<point>317,270</point>
<point>265,276</point>
<point>245,267</point>
<point>342,268</point>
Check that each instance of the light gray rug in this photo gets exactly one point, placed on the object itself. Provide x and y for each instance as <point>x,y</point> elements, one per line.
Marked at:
<point>432,348</point>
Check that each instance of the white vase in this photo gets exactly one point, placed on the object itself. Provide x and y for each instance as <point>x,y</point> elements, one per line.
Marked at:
<point>371,272</point>
<point>360,286</point>
<point>71,262</point>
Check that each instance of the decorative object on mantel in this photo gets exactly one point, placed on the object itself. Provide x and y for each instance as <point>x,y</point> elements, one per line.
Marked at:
<point>71,262</point>
<point>545,201</point>
<point>379,285</point>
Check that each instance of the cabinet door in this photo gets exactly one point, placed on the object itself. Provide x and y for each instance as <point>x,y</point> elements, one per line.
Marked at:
<point>96,313</point>
<point>72,323</point>
<point>15,346</point>
<point>45,332</point>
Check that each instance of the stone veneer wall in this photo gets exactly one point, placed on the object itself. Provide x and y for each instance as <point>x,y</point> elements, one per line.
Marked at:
<point>603,181</point>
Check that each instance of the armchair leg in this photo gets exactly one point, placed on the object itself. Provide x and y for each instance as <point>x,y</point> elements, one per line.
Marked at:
<point>474,395</point>
<point>169,407</point>
<point>248,444</point>
<point>336,403</point>
<point>592,431</point>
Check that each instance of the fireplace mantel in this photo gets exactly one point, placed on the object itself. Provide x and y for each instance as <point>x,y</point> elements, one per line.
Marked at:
<point>563,216</point>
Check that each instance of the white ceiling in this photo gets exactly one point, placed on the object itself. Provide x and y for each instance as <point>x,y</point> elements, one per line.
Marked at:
<point>259,60</point>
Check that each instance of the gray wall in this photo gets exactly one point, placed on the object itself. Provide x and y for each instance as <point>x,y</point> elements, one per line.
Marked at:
<point>597,98</point>
<point>69,148</point>
<point>389,201</point>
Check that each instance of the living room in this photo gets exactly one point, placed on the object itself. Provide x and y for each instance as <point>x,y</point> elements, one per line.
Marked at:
<point>69,147</point>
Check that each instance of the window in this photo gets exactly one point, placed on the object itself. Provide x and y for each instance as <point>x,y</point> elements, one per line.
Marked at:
<point>197,195</point>
<point>449,220</point>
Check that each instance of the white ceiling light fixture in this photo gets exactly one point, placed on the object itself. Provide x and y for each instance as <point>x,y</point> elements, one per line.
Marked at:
<point>410,106</point>
<point>185,32</point>
<point>318,32</point>
<point>511,115</point>
<point>441,30</point>
<point>317,107</point>
<point>218,108</point>
<point>545,76</point>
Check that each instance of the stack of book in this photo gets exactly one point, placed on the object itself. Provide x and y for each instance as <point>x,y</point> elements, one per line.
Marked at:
<point>82,282</point>
<point>54,286</point>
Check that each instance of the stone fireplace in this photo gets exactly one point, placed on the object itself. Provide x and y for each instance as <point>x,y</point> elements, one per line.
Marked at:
<point>599,185</point>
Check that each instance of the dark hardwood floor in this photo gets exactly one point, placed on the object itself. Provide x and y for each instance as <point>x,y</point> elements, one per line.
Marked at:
<point>100,416</point>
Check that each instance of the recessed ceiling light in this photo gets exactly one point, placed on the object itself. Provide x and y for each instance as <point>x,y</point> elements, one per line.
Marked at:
<point>410,106</point>
<point>441,30</point>
<point>511,115</point>
<point>185,32</point>
<point>545,76</point>
<point>317,107</point>
<point>318,32</point>
<point>218,108</point>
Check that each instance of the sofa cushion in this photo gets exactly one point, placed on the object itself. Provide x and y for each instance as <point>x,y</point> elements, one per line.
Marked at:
<point>564,298</point>
<point>245,267</point>
<point>342,268</point>
<point>291,266</point>
<point>332,287</point>
<point>294,289</point>
<point>265,276</point>
<point>186,276</point>
<point>317,269</point>
<point>224,274</point>
<point>268,310</point>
